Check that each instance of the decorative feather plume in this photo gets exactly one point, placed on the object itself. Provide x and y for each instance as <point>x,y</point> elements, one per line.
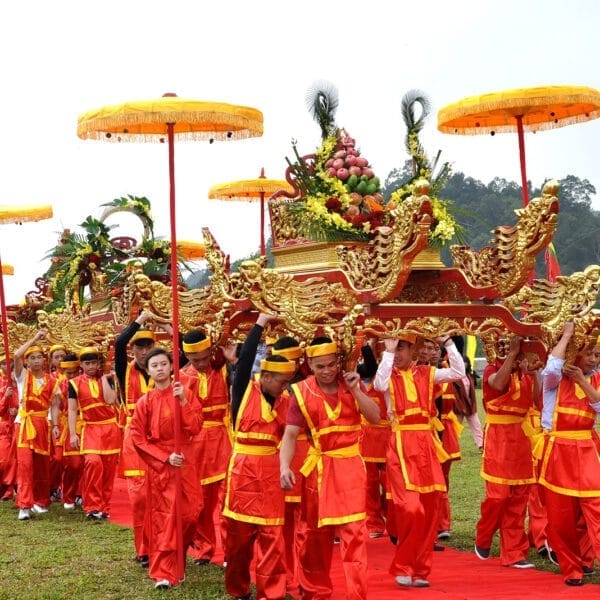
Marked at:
<point>322,100</point>
<point>414,125</point>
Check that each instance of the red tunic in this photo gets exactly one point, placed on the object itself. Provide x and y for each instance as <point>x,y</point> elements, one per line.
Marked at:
<point>571,461</point>
<point>334,457</point>
<point>415,444</point>
<point>214,443</point>
<point>254,493</point>
<point>507,457</point>
<point>452,427</point>
<point>131,464</point>
<point>34,431</point>
<point>100,433</point>
<point>375,436</point>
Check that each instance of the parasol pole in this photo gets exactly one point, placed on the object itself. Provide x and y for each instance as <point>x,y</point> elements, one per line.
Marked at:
<point>262,215</point>
<point>175,312</point>
<point>4,322</point>
<point>521,136</point>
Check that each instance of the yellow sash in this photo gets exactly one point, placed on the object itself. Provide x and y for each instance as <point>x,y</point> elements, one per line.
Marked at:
<point>451,416</point>
<point>239,448</point>
<point>314,458</point>
<point>30,431</point>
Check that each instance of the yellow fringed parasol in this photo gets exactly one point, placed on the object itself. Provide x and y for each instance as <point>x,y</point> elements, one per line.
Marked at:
<point>20,214</point>
<point>251,189</point>
<point>16,214</point>
<point>161,120</point>
<point>191,250</point>
<point>531,109</point>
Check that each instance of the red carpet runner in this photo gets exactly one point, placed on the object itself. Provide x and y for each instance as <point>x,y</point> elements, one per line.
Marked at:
<point>455,576</point>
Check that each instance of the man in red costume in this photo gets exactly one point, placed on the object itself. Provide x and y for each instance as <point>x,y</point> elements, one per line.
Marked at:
<point>570,460</point>
<point>134,382</point>
<point>207,381</point>
<point>56,353</point>
<point>509,390</point>
<point>254,500</point>
<point>294,527</point>
<point>36,388</point>
<point>329,405</point>
<point>413,460</point>
<point>92,396</point>
<point>172,488</point>
<point>70,458</point>
<point>9,405</point>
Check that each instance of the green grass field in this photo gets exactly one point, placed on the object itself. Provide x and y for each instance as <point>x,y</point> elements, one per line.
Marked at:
<point>62,555</point>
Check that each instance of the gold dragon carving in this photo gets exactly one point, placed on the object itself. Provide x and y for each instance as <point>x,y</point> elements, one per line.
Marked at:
<point>302,306</point>
<point>74,330</point>
<point>509,261</point>
<point>383,266</point>
<point>554,303</point>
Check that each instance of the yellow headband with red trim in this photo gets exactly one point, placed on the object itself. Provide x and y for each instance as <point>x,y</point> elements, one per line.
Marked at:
<point>89,350</point>
<point>321,349</point>
<point>142,334</point>
<point>288,366</point>
<point>291,353</point>
<point>56,347</point>
<point>410,338</point>
<point>69,364</point>
<point>200,346</point>
<point>33,349</point>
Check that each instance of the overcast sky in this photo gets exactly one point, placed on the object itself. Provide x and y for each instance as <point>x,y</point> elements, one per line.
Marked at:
<point>61,59</point>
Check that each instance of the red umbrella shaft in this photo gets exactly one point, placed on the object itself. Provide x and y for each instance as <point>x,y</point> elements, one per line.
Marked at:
<point>175,312</point>
<point>262,223</point>
<point>4,322</point>
<point>521,135</point>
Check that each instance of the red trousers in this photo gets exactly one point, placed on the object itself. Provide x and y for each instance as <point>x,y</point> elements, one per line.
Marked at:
<point>270,561</point>
<point>415,525</point>
<point>137,492</point>
<point>71,477</point>
<point>98,480</point>
<point>56,464</point>
<point>32,478</point>
<point>315,555</point>
<point>504,508</point>
<point>375,500</point>
<point>538,519</point>
<point>294,536</point>
<point>444,520</point>
<point>565,532</point>
<point>204,542</point>
<point>9,477</point>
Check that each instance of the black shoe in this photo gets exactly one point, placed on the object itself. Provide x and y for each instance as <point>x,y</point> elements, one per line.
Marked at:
<point>246,597</point>
<point>202,561</point>
<point>587,570</point>
<point>438,548</point>
<point>94,515</point>
<point>551,555</point>
<point>144,560</point>
<point>482,553</point>
<point>574,582</point>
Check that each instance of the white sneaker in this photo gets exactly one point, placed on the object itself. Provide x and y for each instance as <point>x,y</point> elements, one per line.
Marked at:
<point>162,584</point>
<point>40,510</point>
<point>404,580</point>
<point>68,506</point>
<point>24,514</point>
